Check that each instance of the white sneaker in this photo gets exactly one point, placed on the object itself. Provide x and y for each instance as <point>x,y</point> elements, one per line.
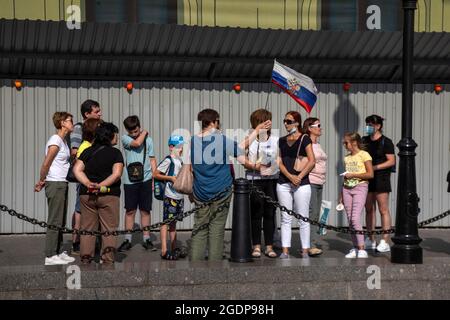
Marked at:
<point>64,256</point>
<point>362,254</point>
<point>351,254</point>
<point>369,244</point>
<point>383,247</point>
<point>54,260</point>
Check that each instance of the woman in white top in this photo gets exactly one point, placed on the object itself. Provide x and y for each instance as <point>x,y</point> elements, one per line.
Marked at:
<point>317,176</point>
<point>262,148</point>
<point>53,175</point>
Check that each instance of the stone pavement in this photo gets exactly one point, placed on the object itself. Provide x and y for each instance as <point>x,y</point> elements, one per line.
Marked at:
<point>141,274</point>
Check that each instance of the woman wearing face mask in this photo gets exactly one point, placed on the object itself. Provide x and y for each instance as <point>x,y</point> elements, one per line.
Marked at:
<point>381,149</point>
<point>293,188</point>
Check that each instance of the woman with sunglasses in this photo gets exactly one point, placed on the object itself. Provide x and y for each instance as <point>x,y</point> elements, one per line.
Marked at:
<point>52,177</point>
<point>293,188</point>
<point>317,176</point>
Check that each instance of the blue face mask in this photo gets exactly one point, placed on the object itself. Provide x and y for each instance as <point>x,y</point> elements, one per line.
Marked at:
<point>293,130</point>
<point>370,130</point>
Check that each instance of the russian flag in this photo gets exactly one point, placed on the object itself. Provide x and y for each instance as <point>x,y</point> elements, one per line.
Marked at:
<point>300,87</point>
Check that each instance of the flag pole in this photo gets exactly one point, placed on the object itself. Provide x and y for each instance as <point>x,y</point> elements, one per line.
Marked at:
<point>267,100</point>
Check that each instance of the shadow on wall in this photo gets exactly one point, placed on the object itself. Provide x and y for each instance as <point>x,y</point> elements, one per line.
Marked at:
<point>347,114</point>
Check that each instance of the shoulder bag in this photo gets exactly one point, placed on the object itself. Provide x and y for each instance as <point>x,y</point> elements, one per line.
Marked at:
<point>135,170</point>
<point>300,161</point>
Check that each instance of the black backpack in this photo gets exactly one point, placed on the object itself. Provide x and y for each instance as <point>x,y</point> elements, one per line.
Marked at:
<point>393,168</point>
<point>160,185</point>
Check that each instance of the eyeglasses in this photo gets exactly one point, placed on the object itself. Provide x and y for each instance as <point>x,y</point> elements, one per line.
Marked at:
<point>315,125</point>
<point>345,143</point>
<point>287,121</point>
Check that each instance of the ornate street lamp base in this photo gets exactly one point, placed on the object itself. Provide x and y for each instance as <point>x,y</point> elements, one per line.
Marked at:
<point>406,253</point>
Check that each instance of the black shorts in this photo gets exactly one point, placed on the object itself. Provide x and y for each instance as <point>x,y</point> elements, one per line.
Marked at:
<point>138,195</point>
<point>380,183</point>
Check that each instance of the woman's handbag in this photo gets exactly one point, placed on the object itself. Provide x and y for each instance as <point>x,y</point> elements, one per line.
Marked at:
<point>70,176</point>
<point>135,170</point>
<point>300,161</point>
<point>185,180</point>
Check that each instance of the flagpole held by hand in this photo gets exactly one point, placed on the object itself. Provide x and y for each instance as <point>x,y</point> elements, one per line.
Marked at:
<point>298,86</point>
<point>267,100</point>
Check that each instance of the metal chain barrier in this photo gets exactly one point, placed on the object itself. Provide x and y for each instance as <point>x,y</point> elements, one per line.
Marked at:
<point>434,219</point>
<point>224,206</point>
<point>347,230</point>
<point>180,217</point>
<point>152,227</point>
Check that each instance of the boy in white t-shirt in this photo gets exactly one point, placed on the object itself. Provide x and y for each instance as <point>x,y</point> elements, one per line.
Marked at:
<point>173,203</point>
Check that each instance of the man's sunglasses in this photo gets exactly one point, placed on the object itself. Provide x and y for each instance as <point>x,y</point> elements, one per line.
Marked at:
<point>315,125</point>
<point>287,121</point>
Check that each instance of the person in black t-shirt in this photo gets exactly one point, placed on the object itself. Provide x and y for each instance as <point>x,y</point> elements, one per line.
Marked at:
<point>293,187</point>
<point>382,151</point>
<point>99,170</point>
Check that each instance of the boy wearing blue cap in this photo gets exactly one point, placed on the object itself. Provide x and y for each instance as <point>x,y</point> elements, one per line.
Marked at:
<point>173,202</point>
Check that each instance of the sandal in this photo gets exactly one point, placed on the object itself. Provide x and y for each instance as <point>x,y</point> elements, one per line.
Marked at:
<point>169,256</point>
<point>256,252</point>
<point>180,252</point>
<point>314,252</point>
<point>270,253</point>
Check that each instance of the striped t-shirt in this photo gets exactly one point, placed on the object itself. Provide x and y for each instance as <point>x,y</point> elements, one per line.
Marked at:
<point>76,137</point>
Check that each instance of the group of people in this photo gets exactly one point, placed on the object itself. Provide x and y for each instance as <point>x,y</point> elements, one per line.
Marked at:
<point>292,170</point>
<point>289,169</point>
<point>99,170</point>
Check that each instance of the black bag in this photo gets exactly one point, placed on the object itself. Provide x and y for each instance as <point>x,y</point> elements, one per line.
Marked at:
<point>136,169</point>
<point>70,176</point>
<point>393,168</point>
<point>160,185</point>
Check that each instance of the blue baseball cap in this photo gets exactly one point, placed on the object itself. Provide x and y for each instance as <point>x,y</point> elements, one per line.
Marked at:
<point>175,140</point>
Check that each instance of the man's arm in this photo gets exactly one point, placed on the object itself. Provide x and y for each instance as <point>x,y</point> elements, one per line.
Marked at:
<point>76,138</point>
<point>73,152</point>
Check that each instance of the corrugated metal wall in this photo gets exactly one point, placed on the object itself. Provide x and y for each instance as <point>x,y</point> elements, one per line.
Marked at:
<point>25,119</point>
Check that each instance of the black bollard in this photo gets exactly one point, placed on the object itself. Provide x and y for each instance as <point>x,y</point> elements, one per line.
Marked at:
<point>241,240</point>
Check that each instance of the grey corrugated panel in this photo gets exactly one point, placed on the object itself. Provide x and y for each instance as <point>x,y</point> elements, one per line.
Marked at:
<point>25,119</point>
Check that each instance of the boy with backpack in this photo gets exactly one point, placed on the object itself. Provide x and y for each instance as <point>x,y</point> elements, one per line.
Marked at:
<point>138,175</point>
<point>173,202</point>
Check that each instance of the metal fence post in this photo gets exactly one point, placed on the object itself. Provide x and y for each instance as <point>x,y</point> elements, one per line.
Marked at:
<point>241,241</point>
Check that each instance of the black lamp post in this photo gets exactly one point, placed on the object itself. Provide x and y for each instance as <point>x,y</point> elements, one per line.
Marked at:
<point>406,247</point>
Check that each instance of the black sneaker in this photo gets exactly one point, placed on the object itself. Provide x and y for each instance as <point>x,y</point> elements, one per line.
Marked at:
<point>148,245</point>
<point>76,248</point>
<point>125,246</point>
